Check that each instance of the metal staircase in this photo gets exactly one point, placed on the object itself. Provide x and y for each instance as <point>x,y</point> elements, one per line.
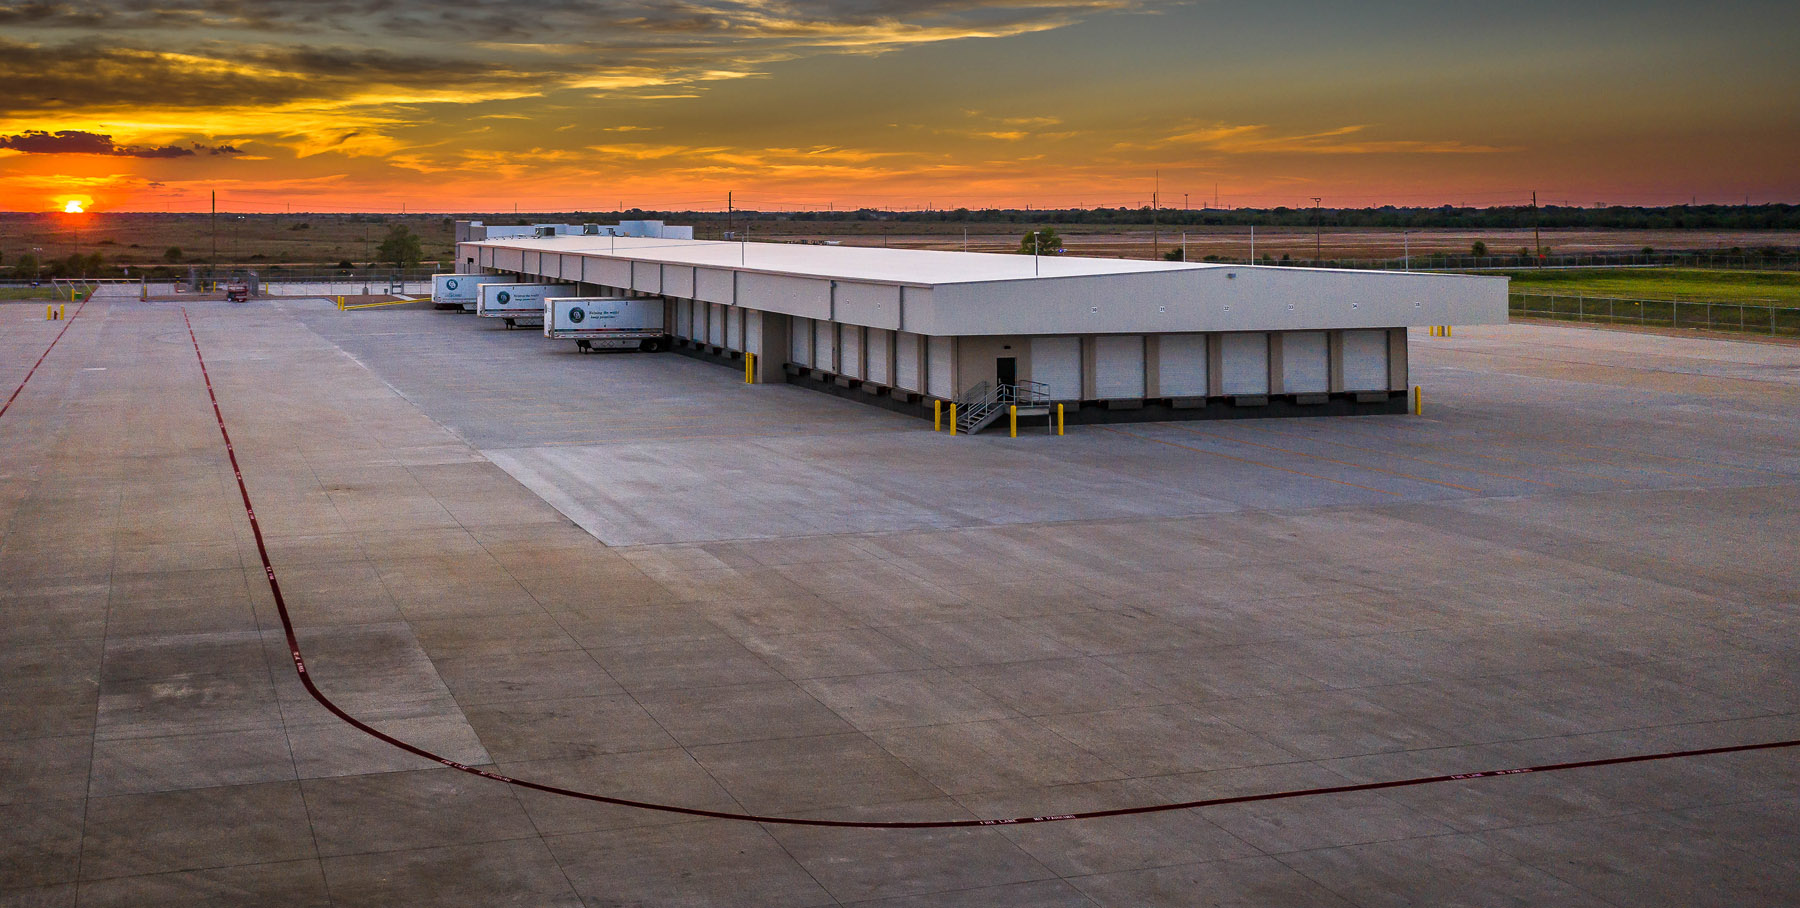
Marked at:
<point>979,406</point>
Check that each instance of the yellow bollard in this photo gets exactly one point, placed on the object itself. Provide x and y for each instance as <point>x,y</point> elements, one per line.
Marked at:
<point>48,309</point>
<point>749,368</point>
<point>1059,419</point>
<point>937,416</point>
<point>1418,406</point>
<point>1013,412</point>
<point>953,419</point>
<point>62,311</point>
<point>340,304</point>
<point>1446,330</point>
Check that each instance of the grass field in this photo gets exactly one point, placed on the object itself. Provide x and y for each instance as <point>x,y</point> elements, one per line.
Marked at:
<point>27,293</point>
<point>1773,288</point>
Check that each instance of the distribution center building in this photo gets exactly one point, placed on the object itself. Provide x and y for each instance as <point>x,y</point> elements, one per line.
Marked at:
<point>1112,339</point>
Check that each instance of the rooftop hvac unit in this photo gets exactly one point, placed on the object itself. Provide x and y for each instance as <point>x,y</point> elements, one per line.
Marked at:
<point>546,230</point>
<point>590,230</point>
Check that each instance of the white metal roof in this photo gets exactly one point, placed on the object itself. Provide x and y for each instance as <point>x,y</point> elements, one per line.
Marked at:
<point>917,267</point>
<point>962,293</point>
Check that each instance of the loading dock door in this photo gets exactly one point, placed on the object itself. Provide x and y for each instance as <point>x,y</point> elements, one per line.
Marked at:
<point>825,345</point>
<point>1181,365</point>
<point>850,351</point>
<point>684,319</point>
<point>906,362</point>
<point>941,351</point>
<point>1365,360</point>
<point>1056,361</point>
<point>1305,362</point>
<point>753,331</point>
<point>1244,366</point>
<point>800,342</point>
<point>1119,367</point>
<point>715,325</point>
<point>734,329</point>
<point>878,357</point>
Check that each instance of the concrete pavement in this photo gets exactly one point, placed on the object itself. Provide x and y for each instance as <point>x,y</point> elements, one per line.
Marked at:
<point>636,576</point>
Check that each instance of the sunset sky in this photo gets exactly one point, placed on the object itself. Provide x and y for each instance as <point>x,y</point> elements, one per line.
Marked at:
<point>329,105</point>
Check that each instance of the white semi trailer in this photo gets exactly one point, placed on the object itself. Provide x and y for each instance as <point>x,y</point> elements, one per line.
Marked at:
<point>516,302</point>
<point>606,323</point>
<point>462,289</point>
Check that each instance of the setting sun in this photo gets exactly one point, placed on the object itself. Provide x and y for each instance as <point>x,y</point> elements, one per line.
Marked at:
<point>73,206</point>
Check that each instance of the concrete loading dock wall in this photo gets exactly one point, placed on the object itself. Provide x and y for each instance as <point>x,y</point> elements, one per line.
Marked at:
<point>1117,340</point>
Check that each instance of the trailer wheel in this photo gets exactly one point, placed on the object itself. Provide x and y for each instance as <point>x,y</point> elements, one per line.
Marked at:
<point>650,346</point>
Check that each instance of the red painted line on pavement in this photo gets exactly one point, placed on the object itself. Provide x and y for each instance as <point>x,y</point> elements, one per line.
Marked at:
<point>40,360</point>
<point>306,680</point>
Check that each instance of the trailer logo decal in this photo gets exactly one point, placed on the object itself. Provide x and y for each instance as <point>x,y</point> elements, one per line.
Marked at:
<point>576,315</point>
<point>503,297</point>
<point>450,284</point>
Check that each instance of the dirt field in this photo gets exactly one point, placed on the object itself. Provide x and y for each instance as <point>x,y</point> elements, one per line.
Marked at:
<point>143,239</point>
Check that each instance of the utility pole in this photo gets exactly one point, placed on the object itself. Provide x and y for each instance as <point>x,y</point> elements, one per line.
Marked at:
<point>215,228</point>
<point>728,213</point>
<point>1318,230</point>
<point>1406,253</point>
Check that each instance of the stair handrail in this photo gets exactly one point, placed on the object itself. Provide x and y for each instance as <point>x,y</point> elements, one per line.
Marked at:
<point>1030,393</point>
<point>977,402</point>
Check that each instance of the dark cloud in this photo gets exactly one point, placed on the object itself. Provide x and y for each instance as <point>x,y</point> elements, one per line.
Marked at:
<point>75,141</point>
<point>42,79</point>
<point>253,59</point>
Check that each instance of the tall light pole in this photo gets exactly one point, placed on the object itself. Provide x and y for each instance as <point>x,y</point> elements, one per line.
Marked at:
<point>1155,237</point>
<point>1318,230</point>
<point>1537,243</point>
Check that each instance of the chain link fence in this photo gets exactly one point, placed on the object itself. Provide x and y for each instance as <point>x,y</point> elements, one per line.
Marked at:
<point>1744,317</point>
<point>1442,262</point>
<point>279,281</point>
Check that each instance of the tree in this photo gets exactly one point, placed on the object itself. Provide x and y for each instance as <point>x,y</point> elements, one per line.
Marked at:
<point>26,266</point>
<point>1041,242</point>
<point>1479,249</point>
<point>401,247</point>
<point>172,255</point>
